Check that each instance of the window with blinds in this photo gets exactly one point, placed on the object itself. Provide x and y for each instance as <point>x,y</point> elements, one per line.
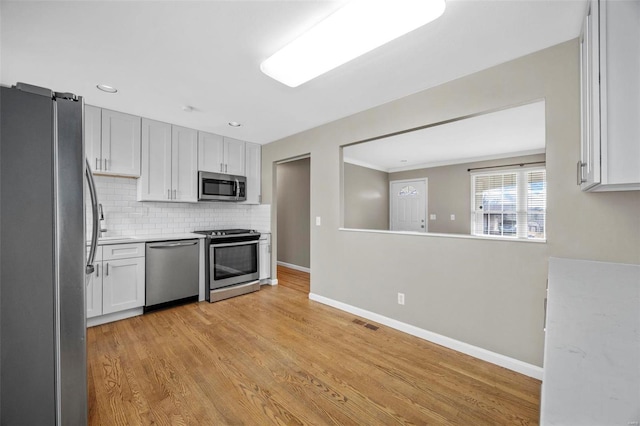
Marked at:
<point>509,203</point>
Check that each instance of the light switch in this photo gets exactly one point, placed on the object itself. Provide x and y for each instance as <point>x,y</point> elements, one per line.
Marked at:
<point>432,216</point>
<point>453,217</point>
<point>318,221</point>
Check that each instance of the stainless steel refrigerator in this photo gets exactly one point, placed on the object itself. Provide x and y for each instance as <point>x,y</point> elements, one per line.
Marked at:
<point>43,366</point>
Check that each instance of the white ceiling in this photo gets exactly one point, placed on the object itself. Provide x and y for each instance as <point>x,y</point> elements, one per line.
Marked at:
<point>502,134</point>
<point>206,54</point>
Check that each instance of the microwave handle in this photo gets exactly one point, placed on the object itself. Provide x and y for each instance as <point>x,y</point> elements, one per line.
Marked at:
<point>237,189</point>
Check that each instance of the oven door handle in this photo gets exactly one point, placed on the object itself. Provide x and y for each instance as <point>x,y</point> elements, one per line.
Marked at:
<point>241,243</point>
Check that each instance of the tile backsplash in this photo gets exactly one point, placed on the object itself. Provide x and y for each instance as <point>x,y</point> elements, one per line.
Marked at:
<point>124,216</point>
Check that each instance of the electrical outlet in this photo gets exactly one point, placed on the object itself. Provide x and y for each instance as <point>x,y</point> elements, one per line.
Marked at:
<point>432,216</point>
<point>318,221</point>
<point>453,217</point>
<point>400,298</point>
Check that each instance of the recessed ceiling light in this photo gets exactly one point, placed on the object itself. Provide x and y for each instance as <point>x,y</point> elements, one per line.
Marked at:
<point>107,88</point>
<point>357,28</point>
<point>234,124</point>
<point>403,161</point>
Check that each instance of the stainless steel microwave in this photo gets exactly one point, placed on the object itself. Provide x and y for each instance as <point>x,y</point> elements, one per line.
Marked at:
<point>221,187</point>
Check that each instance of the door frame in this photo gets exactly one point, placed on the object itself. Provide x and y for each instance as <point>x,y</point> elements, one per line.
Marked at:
<point>426,200</point>
<point>274,215</point>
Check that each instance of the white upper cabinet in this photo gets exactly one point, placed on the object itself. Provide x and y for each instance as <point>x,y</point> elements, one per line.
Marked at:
<point>610,66</point>
<point>252,170</point>
<point>155,179</point>
<point>169,163</point>
<point>184,170</point>
<point>219,154</point>
<point>234,155</point>
<point>112,142</point>
<point>93,136</point>
<point>210,153</point>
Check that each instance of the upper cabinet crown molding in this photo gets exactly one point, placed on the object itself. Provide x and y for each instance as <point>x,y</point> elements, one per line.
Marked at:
<point>112,142</point>
<point>610,95</point>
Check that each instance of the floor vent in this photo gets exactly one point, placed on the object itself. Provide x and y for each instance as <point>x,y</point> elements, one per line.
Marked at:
<point>369,326</point>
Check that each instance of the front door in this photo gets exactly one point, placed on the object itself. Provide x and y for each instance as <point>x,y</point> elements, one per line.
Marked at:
<point>408,205</point>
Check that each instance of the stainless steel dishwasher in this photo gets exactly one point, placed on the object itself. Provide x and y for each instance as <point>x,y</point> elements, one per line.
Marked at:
<point>172,271</point>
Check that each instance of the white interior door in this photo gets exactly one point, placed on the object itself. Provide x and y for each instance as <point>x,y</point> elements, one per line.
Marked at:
<point>408,205</point>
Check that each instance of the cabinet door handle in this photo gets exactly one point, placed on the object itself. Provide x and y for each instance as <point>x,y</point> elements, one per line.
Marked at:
<point>168,194</point>
<point>97,269</point>
<point>175,194</point>
<point>107,270</point>
<point>97,164</point>
<point>580,168</point>
<point>105,164</point>
<point>225,168</point>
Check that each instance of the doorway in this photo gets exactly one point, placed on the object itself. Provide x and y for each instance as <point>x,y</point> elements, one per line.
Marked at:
<point>408,205</point>
<point>293,192</point>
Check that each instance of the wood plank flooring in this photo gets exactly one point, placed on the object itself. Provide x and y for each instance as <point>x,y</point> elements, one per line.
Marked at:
<point>275,357</point>
<point>293,279</point>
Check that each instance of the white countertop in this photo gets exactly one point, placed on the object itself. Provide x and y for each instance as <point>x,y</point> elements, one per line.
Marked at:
<point>146,238</point>
<point>592,346</point>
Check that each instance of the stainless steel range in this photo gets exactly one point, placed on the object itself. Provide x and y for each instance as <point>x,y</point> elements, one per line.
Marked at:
<point>232,263</point>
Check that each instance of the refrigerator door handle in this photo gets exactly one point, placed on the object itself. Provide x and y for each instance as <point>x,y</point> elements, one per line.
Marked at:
<point>95,223</point>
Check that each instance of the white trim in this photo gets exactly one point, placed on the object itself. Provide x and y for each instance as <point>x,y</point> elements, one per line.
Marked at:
<point>115,316</point>
<point>273,281</point>
<point>296,267</point>
<point>474,351</point>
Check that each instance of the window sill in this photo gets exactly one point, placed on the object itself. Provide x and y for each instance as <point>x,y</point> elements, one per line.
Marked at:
<point>432,234</point>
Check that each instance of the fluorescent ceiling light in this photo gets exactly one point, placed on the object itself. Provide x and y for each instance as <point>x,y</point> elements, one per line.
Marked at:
<point>355,29</point>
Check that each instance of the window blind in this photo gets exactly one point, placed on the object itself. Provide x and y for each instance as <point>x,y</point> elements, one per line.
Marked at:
<point>509,203</point>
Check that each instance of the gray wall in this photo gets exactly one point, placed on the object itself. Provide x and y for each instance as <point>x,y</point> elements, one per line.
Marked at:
<point>451,284</point>
<point>449,192</point>
<point>366,198</point>
<point>294,214</point>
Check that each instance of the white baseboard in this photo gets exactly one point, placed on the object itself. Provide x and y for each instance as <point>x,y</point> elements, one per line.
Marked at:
<point>474,351</point>
<point>296,267</point>
<point>273,281</point>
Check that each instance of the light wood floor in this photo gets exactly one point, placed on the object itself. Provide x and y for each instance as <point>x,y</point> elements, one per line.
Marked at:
<point>275,357</point>
<point>293,279</point>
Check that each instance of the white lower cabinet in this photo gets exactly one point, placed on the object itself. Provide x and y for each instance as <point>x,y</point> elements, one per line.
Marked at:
<point>122,284</point>
<point>118,282</point>
<point>265,256</point>
<point>94,288</point>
